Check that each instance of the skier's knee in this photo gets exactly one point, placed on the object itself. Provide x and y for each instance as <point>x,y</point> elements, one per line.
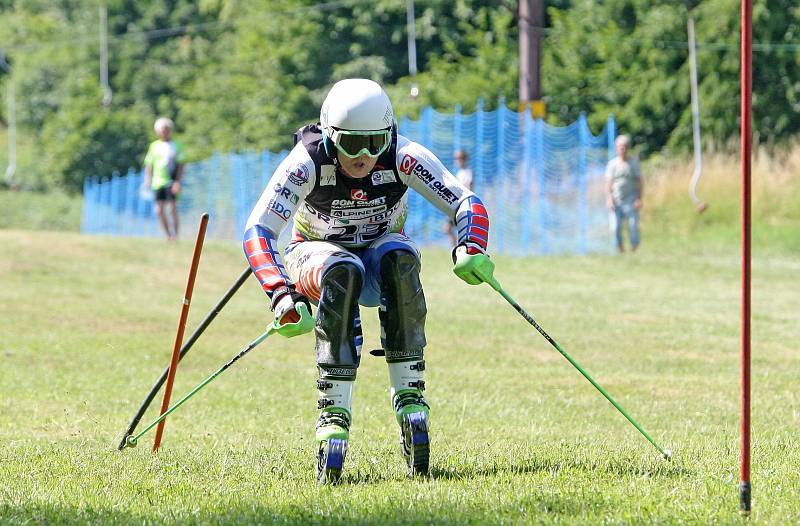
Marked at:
<point>337,330</point>
<point>403,306</point>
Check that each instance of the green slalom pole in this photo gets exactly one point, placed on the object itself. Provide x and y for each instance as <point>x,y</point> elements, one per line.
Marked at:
<point>665,453</point>
<point>132,440</point>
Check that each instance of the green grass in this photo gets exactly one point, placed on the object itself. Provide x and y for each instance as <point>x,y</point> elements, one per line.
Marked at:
<point>51,210</point>
<point>519,437</point>
<point>669,215</point>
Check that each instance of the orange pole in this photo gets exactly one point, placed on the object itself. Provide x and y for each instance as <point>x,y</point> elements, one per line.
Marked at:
<point>746,146</point>
<point>176,349</point>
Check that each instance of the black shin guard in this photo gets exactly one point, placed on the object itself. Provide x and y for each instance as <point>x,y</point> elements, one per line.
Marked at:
<point>403,320</point>
<point>337,351</point>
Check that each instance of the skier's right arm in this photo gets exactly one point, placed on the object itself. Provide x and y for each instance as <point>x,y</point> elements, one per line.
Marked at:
<point>148,167</point>
<point>608,186</point>
<point>290,184</point>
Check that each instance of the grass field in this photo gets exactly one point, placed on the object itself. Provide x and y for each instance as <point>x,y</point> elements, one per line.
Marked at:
<point>27,210</point>
<point>670,217</point>
<point>519,437</point>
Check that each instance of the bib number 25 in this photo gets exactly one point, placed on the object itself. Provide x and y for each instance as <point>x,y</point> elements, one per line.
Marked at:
<point>354,234</point>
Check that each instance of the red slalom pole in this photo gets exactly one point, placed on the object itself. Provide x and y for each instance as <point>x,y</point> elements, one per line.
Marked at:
<point>176,349</point>
<point>746,145</point>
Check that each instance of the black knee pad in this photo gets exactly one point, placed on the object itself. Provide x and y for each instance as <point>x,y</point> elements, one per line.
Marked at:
<point>403,321</point>
<point>336,330</point>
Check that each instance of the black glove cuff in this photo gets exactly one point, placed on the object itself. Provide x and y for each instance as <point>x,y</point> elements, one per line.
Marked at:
<point>282,291</point>
<point>453,253</point>
<point>466,244</point>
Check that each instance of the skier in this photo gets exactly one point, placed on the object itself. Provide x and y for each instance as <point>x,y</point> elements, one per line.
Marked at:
<point>344,186</point>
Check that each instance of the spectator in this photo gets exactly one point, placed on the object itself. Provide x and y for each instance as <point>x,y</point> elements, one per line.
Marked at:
<point>624,193</point>
<point>163,171</point>
<point>464,176</point>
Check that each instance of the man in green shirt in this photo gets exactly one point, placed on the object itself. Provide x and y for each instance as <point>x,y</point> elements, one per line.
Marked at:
<point>163,170</point>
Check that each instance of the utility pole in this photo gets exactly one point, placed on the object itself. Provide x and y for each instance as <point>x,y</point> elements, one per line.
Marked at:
<point>104,55</point>
<point>531,23</point>
<point>412,48</point>
<point>12,122</point>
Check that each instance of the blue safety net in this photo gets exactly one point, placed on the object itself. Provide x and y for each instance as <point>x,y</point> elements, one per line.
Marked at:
<point>542,185</point>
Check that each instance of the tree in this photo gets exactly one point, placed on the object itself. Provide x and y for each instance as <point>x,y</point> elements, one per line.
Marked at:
<point>245,75</point>
<point>630,57</point>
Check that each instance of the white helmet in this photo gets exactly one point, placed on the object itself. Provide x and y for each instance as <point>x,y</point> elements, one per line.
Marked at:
<point>354,110</point>
<point>356,105</point>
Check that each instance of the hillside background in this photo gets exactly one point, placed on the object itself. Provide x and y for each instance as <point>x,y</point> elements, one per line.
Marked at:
<point>238,75</point>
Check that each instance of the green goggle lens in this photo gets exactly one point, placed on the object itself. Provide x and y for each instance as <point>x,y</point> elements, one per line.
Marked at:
<point>356,144</point>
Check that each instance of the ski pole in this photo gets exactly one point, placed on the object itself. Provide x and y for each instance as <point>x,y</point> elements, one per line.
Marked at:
<point>665,453</point>
<point>212,314</point>
<point>131,440</point>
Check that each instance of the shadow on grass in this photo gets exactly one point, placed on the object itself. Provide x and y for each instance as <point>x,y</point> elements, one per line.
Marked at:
<point>542,465</point>
<point>658,470</point>
<point>526,510</point>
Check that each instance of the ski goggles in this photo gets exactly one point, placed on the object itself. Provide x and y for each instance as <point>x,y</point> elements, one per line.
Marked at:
<point>357,143</point>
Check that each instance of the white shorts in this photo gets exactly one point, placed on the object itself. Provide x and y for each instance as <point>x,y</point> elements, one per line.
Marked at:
<point>307,262</point>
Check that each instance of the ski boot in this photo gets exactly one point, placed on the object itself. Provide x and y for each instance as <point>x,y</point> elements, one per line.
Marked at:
<point>412,414</point>
<point>332,433</point>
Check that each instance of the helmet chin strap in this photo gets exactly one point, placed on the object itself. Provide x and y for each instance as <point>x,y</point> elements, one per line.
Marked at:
<point>330,148</point>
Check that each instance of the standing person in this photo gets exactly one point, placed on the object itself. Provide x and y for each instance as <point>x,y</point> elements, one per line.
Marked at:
<point>464,176</point>
<point>344,188</point>
<point>624,193</point>
<point>163,171</point>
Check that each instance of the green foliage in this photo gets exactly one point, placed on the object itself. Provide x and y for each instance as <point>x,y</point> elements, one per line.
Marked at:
<point>245,97</point>
<point>611,59</point>
<point>50,211</point>
<point>233,75</point>
<point>110,141</point>
<point>244,75</point>
<point>630,57</point>
<point>480,65</point>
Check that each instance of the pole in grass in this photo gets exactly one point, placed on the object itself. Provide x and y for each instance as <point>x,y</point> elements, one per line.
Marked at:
<point>746,145</point>
<point>665,453</point>
<point>132,440</point>
<point>305,324</point>
<point>187,299</point>
<point>187,345</point>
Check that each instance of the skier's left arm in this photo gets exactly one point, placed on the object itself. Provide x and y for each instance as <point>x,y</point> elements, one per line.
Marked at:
<point>424,172</point>
<point>148,167</point>
<point>180,159</point>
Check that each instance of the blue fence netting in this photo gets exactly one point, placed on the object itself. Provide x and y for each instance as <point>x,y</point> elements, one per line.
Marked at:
<point>542,185</point>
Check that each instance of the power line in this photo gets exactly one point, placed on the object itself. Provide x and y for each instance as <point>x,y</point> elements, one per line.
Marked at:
<point>153,34</point>
<point>764,47</point>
